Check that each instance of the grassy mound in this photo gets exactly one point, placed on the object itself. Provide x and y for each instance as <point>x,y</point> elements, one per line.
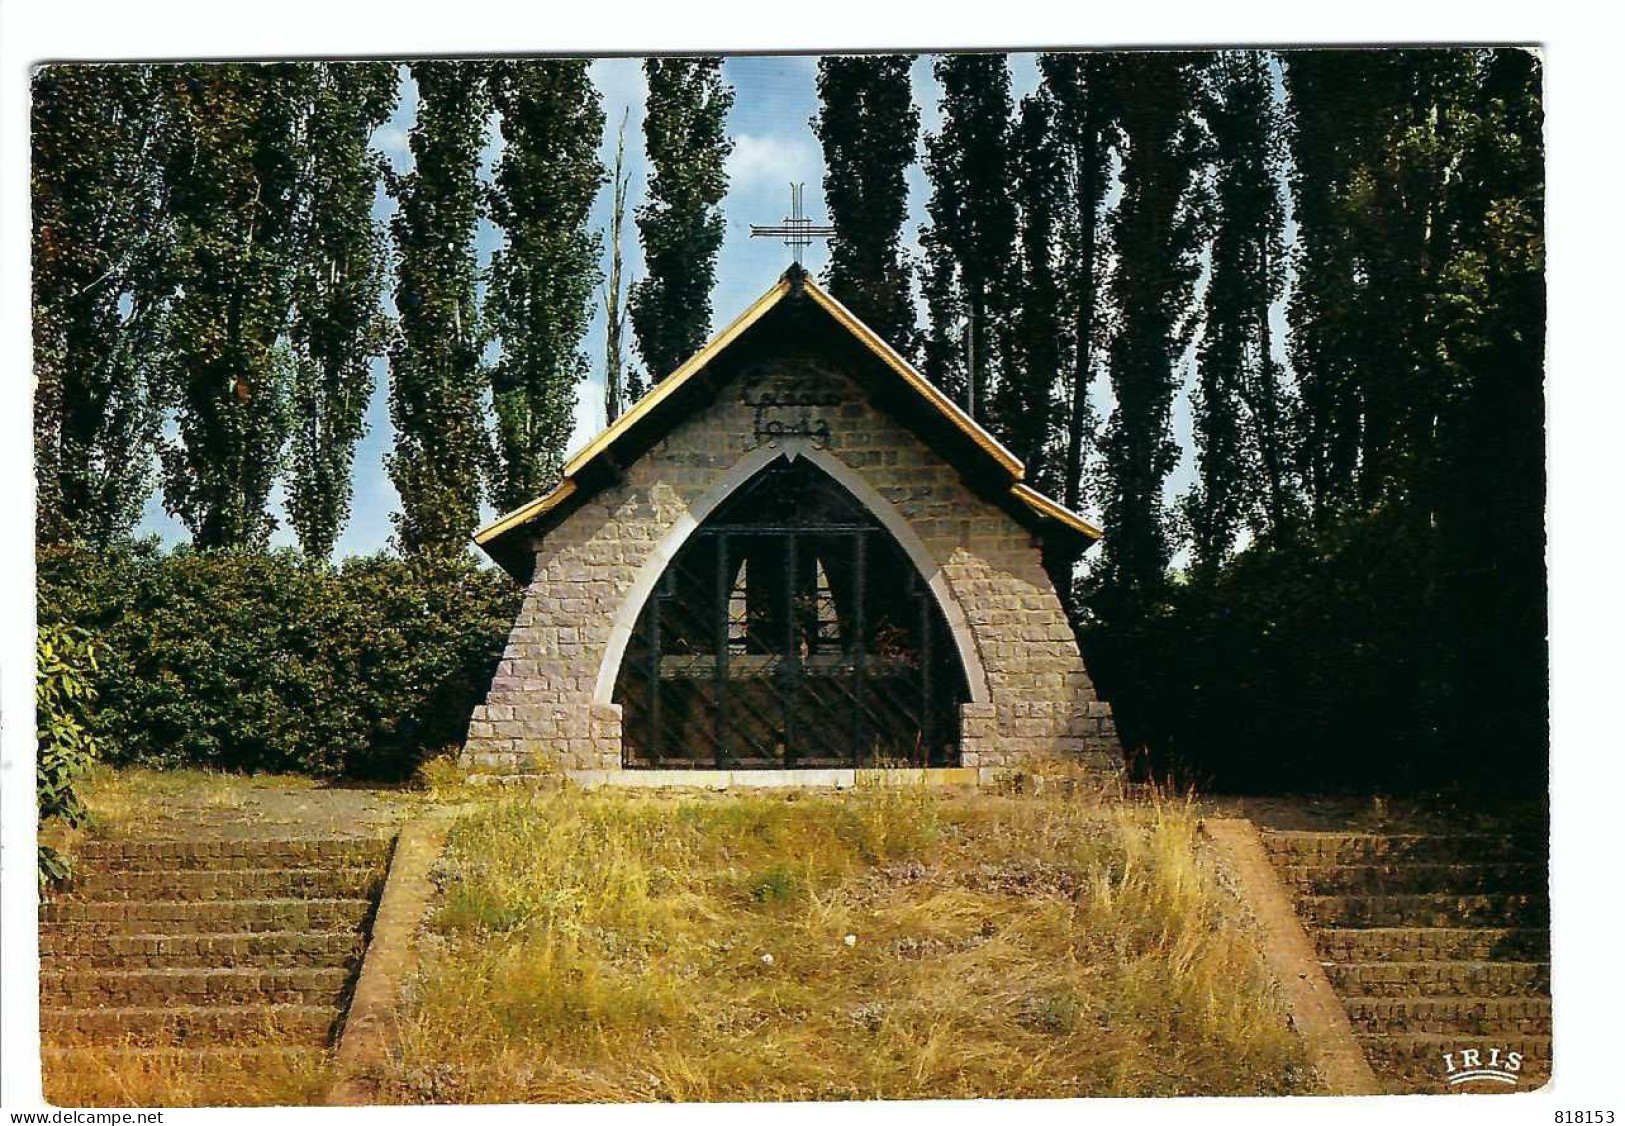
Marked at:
<point>886,944</point>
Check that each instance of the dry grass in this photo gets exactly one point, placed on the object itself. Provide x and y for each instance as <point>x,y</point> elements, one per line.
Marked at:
<point>235,1075</point>
<point>128,802</point>
<point>121,800</point>
<point>132,803</point>
<point>885,944</point>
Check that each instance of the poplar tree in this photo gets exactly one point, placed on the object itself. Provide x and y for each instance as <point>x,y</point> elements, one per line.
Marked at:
<point>437,381</point>
<point>227,139</point>
<point>972,275</point>
<point>1026,397</point>
<point>943,346</point>
<point>1398,209</point>
<point>681,224</point>
<point>1376,143</point>
<point>338,324</point>
<point>1156,240</point>
<point>98,241</point>
<point>1490,496</point>
<point>868,124</point>
<point>542,280</point>
<point>1439,106</point>
<point>1241,412</point>
<point>1081,88</point>
<point>1490,307</point>
<point>1333,129</point>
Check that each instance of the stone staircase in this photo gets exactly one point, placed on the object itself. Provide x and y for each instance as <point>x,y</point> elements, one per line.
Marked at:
<point>205,952</point>
<point>1436,944</point>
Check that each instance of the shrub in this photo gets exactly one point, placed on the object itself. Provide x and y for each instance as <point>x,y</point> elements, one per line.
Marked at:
<point>1338,660</point>
<point>249,661</point>
<point>66,660</point>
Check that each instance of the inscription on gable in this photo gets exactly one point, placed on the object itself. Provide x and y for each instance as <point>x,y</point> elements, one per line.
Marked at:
<point>783,406</point>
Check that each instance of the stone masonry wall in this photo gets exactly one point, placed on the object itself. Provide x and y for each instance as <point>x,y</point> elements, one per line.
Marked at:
<point>540,708</point>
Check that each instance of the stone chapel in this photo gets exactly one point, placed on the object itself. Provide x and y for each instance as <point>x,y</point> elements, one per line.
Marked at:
<point>793,554</point>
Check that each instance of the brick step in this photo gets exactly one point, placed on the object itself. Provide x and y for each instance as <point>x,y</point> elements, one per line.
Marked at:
<point>1388,878</point>
<point>1424,910</point>
<point>199,884</point>
<point>1427,944</point>
<point>1441,979</point>
<point>1472,1016</point>
<point>73,989</point>
<point>216,855</point>
<point>125,916</point>
<point>1415,1063</point>
<point>265,949</point>
<point>1419,848</point>
<point>187,1026</point>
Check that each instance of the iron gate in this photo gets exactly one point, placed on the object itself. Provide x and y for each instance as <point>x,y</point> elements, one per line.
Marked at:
<point>790,630</point>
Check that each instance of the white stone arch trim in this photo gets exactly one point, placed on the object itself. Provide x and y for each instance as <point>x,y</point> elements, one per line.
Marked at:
<point>665,550</point>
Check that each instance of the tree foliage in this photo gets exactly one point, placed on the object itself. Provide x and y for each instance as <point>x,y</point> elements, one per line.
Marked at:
<point>205,253</point>
<point>338,325</point>
<point>542,279</point>
<point>1243,414</point>
<point>67,662</point>
<point>229,159</point>
<point>1156,235</point>
<point>97,245</point>
<point>1374,140</point>
<point>1484,487</point>
<point>442,451</point>
<point>971,269</point>
<point>1278,672</point>
<point>1398,637</point>
<point>681,223</point>
<point>1026,398</point>
<point>868,125</point>
<point>1081,89</point>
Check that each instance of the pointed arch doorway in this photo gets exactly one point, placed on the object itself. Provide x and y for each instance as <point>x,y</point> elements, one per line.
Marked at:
<point>790,630</point>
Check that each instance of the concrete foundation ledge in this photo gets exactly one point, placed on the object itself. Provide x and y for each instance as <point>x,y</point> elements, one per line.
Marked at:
<point>953,776</point>
<point>658,779</point>
<point>926,776</point>
<point>775,779</point>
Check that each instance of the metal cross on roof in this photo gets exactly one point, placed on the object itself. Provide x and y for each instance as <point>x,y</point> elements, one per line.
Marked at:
<point>797,230</point>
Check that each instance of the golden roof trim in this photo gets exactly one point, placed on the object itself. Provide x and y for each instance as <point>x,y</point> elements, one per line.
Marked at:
<point>973,429</point>
<point>669,386</point>
<point>1054,509</point>
<point>525,512</point>
<point>651,399</point>
<point>696,363</point>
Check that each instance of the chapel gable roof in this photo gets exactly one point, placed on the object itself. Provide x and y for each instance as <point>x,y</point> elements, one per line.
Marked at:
<point>796,314</point>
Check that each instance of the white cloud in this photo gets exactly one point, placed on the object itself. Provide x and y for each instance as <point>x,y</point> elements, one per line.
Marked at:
<point>623,86</point>
<point>391,139</point>
<point>758,160</point>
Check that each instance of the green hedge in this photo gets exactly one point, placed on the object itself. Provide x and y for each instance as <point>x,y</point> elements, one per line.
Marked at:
<point>245,661</point>
<point>1359,657</point>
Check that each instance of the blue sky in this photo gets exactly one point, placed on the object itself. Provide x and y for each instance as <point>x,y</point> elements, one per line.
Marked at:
<point>775,100</point>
